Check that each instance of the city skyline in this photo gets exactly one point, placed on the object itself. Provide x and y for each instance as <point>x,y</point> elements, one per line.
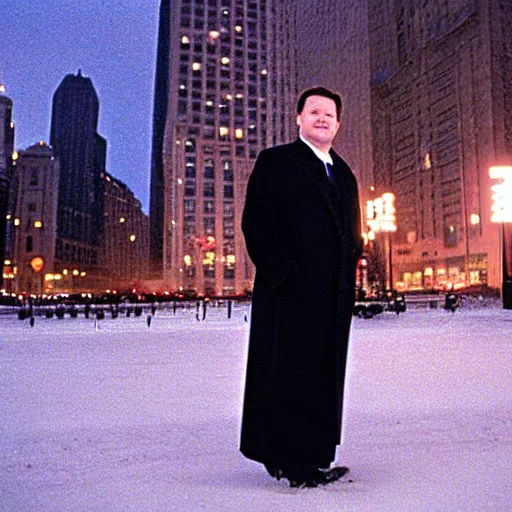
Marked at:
<point>40,47</point>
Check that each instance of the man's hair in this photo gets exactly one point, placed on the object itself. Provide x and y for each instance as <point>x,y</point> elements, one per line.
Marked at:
<point>320,91</point>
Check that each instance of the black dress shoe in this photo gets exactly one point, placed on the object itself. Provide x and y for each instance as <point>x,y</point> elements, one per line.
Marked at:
<point>327,476</point>
<point>313,477</point>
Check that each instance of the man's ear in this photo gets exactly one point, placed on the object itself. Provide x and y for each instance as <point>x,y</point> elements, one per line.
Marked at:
<point>297,119</point>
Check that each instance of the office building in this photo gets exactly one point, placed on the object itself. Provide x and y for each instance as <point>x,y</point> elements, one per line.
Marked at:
<point>81,152</point>
<point>125,253</point>
<point>441,111</point>
<point>222,68</point>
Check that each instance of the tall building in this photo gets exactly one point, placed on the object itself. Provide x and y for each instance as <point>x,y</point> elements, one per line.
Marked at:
<point>441,99</point>
<point>126,242</point>
<point>223,68</point>
<point>6,165</point>
<point>82,153</point>
<point>34,217</point>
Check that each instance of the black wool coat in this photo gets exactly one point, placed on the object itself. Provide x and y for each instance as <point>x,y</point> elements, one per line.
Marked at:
<point>304,238</point>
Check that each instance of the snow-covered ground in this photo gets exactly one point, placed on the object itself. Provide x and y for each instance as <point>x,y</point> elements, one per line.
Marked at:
<point>122,417</point>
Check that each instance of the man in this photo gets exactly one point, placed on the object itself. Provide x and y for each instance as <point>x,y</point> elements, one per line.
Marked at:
<point>301,224</point>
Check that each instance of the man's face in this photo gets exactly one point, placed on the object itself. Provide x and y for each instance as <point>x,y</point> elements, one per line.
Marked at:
<point>318,122</point>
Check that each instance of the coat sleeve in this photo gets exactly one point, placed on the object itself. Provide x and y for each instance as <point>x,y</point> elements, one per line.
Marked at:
<point>260,224</point>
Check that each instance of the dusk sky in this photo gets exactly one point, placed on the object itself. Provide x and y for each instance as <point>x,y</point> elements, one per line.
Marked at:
<point>113,43</point>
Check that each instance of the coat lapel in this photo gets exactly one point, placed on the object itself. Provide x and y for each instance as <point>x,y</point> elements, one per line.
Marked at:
<point>309,163</point>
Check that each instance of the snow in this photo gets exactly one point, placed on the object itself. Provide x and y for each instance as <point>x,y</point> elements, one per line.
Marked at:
<point>122,417</point>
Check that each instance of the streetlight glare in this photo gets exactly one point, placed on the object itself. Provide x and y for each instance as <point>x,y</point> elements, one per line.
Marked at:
<point>502,194</point>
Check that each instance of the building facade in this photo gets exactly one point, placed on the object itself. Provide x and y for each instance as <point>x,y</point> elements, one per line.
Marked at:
<point>32,266</point>
<point>6,169</point>
<point>333,51</point>
<point>81,152</point>
<point>222,67</point>
<point>441,107</point>
<point>125,252</point>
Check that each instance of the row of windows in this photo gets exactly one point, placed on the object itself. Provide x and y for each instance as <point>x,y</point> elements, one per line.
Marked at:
<point>209,170</point>
<point>227,3</point>
<point>208,190</point>
<point>209,271</point>
<point>212,24</point>
<point>189,228</point>
<point>76,254</point>
<point>189,206</point>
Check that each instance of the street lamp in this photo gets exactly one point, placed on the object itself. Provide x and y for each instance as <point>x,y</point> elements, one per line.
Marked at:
<point>502,214</point>
<point>381,217</point>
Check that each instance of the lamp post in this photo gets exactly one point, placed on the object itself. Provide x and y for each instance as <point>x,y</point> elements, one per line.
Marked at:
<point>502,213</point>
<point>381,217</point>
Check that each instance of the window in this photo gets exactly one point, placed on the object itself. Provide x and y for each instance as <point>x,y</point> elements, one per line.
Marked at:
<point>209,207</point>
<point>34,181</point>
<point>209,189</point>
<point>209,226</point>
<point>29,244</point>
<point>209,169</point>
<point>228,174</point>
<point>228,191</point>
<point>189,205</point>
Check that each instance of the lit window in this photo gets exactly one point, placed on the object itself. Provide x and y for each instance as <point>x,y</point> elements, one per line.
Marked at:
<point>238,28</point>
<point>196,66</point>
<point>17,222</point>
<point>264,72</point>
<point>239,133</point>
<point>38,224</point>
<point>213,34</point>
<point>225,60</point>
<point>223,131</point>
<point>185,40</point>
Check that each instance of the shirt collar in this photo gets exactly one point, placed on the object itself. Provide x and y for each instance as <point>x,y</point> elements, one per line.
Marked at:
<point>325,157</point>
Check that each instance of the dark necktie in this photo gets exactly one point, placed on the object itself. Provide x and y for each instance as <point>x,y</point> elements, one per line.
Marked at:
<point>328,168</point>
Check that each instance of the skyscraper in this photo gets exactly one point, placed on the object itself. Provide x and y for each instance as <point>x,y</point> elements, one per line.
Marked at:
<point>223,74</point>
<point>82,152</point>
<point>6,151</point>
